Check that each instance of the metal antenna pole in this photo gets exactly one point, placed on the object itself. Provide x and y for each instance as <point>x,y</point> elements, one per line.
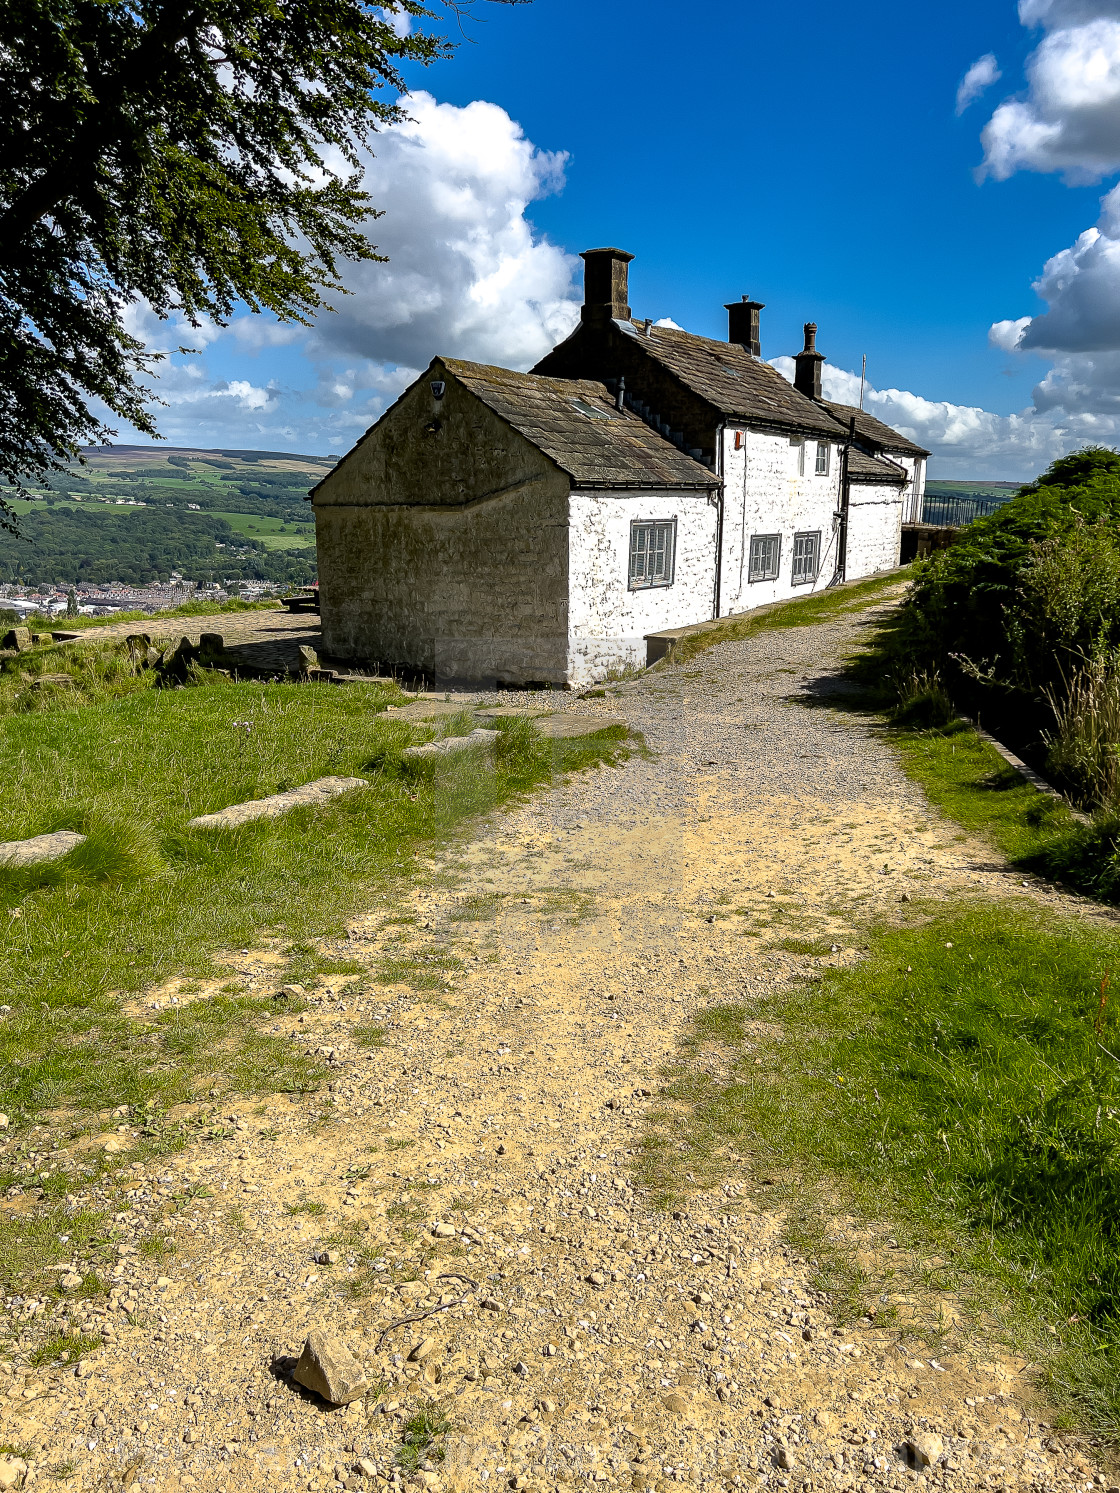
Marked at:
<point>862,380</point>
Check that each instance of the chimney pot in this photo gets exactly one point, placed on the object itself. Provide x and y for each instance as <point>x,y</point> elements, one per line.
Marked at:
<point>605,285</point>
<point>742,324</point>
<point>807,377</point>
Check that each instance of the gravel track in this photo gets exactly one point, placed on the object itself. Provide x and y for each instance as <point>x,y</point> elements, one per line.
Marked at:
<point>544,972</point>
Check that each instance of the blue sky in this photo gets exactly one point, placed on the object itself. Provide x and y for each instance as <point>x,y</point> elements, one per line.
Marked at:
<point>810,155</point>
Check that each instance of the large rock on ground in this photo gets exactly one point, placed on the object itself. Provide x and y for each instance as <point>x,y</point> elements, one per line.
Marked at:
<point>12,1472</point>
<point>328,1368</point>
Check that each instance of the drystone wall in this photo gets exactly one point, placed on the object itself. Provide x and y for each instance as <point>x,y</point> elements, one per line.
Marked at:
<point>442,547</point>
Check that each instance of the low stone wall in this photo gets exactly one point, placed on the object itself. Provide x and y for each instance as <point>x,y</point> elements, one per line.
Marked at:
<point>919,541</point>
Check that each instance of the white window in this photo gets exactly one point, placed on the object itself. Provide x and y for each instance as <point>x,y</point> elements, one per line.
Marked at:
<point>806,557</point>
<point>766,552</point>
<point>823,450</point>
<point>652,547</point>
<point>801,458</point>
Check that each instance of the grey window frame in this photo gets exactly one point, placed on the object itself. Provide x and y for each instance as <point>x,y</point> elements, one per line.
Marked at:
<point>806,579</point>
<point>769,574</point>
<point>824,458</point>
<point>639,583</point>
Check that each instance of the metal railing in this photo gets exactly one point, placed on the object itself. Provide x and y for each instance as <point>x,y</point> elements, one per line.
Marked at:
<point>955,511</point>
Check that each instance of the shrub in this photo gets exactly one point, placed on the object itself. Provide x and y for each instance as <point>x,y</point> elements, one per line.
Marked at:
<point>1026,591</point>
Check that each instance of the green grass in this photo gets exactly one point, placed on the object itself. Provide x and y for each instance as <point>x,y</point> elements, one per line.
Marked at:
<point>803,612</point>
<point>969,782</point>
<point>963,1081</point>
<point>147,897</point>
<point>422,1438</point>
<point>274,533</point>
<point>63,1348</point>
<point>367,1035</point>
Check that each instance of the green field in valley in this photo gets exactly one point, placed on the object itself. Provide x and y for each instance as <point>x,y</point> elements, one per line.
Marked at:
<point>135,514</point>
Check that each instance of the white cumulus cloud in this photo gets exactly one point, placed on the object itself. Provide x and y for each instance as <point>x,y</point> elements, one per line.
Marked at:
<point>1068,120</point>
<point>967,441</point>
<point>1008,334</point>
<point>1081,286</point>
<point>981,75</point>
<point>467,275</point>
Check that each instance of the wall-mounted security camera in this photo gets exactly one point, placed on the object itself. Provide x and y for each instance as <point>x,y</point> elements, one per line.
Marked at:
<point>439,388</point>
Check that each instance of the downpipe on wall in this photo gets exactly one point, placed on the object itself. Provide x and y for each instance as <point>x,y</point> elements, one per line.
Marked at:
<point>840,573</point>
<point>718,501</point>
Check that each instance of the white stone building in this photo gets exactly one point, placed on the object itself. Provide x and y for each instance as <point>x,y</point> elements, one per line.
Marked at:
<point>536,528</point>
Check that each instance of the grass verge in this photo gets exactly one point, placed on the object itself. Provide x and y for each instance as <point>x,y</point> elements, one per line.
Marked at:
<point>802,612</point>
<point>961,1082</point>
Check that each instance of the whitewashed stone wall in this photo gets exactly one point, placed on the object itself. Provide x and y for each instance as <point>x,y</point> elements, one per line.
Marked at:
<point>874,527</point>
<point>766,493</point>
<point>914,492</point>
<point>608,622</point>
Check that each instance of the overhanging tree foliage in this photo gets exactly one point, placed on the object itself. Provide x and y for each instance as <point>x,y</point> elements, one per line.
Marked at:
<point>190,153</point>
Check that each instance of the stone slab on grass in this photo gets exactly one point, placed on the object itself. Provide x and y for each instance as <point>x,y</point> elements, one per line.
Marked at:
<point>450,745</point>
<point>514,712</point>
<point>573,724</point>
<point>39,848</point>
<point>278,803</point>
<point>426,710</point>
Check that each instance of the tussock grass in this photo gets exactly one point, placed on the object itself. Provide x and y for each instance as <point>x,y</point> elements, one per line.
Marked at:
<point>963,1081</point>
<point>422,1436</point>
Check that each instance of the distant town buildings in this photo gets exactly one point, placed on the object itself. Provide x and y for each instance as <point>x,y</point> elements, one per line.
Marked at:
<point>102,601</point>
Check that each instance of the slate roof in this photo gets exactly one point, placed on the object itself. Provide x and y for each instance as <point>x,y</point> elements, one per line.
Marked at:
<point>739,386</point>
<point>865,468</point>
<point>874,431</point>
<point>597,445</point>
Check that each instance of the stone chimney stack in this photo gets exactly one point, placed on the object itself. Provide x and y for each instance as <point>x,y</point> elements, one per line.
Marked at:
<point>807,378</point>
<point>605,286</point>
<point>742,324</point>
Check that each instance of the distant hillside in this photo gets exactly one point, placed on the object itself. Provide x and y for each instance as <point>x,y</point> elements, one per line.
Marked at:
<point>1000,491</point>
<point>136,513</point>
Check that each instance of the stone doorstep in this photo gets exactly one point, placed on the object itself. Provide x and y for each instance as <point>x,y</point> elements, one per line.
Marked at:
<point>277,803</point>
<point>39,848</point>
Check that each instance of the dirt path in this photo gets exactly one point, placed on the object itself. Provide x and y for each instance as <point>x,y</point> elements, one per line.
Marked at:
<point>541,976</point>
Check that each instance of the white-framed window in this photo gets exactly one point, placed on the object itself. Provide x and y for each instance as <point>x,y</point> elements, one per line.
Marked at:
<point>653,544</point>
<point>824,451</point>
<point>766,554</point>
<point>801,458</point>
<point>806,558</point>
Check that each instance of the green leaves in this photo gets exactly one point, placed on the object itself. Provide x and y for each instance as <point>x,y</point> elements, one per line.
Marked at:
<point>189,153</point>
